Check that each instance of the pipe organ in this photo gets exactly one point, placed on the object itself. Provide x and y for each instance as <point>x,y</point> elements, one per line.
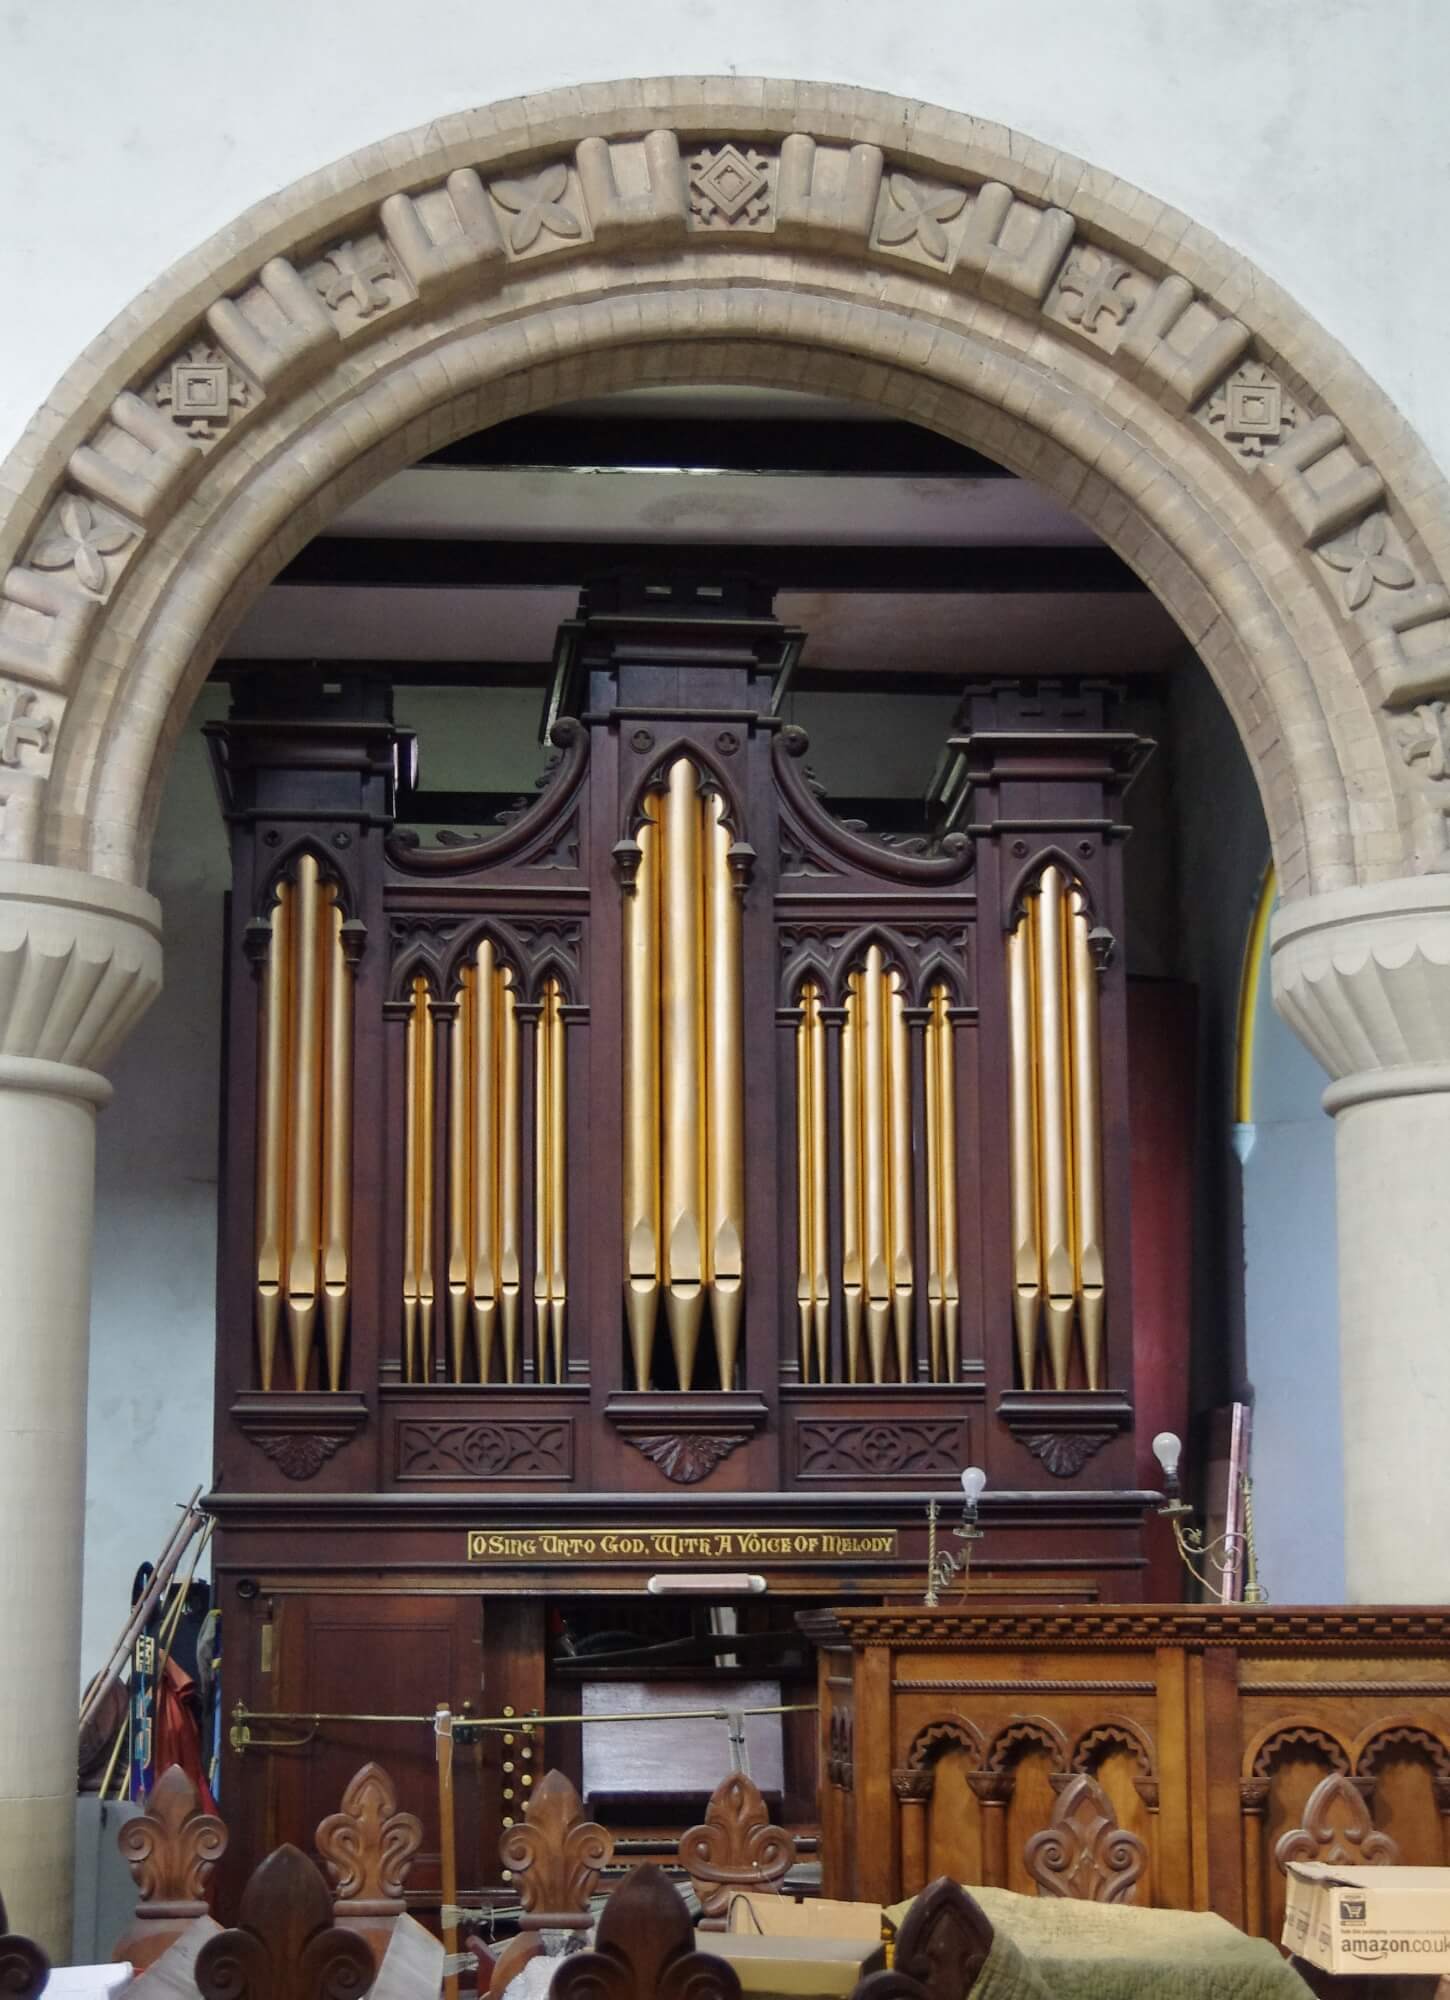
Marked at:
<point>674,1178</point>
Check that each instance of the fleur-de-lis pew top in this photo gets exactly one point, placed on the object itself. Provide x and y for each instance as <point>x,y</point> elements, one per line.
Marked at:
<point>286,1945</point>
<point>555,1856</point>
<point>943,1943</point>
<point>24,1967</point>
<point>645,1949</point>
<point>367,1848</point>
<point>735,1848</point>
<point>171,1850</point>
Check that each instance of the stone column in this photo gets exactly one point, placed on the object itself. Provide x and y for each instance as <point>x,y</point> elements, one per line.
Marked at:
<point>80,960</point>
<point>1363,977</point>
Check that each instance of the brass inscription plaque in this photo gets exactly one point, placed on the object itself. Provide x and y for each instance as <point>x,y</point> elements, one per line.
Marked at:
<point>678,1545</point>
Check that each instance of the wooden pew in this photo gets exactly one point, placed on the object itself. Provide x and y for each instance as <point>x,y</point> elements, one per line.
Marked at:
<point>645,1948</point>
<point>171,1850</point>
<point>367,1848</point>
<point>24,1967</point>
<point>286,1946</point>
<point>940,1949</point>
<point>736,1847</point>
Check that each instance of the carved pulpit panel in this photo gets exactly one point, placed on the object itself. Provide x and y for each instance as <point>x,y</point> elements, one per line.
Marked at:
<point>286,1946</point>
<point>555,1857</point>
<point>735,1848</point>
<point>1082,1852</point>
<point>171,1850</point>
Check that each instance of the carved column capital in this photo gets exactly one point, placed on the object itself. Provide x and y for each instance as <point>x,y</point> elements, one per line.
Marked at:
<point>914,1784</point>
<point>1362,976</point>
<point>80,962</point>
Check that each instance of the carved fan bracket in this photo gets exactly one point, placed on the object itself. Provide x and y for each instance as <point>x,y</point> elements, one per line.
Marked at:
<point>300,1430</point>
<point>686,1434</point>
<point>1065,1428</point>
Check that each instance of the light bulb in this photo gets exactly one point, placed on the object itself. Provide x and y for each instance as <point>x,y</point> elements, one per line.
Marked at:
<point>1168,1449</point>
<point>973,1480</point>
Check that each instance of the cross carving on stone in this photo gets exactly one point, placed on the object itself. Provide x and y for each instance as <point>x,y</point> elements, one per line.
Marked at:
<point>1095,292</point>
<point>19,729</point>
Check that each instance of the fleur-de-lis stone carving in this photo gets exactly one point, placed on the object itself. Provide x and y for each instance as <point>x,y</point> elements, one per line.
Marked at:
<point>919,212</point>
<point>359,276</point>
<point>18,727</point>
<point>537,205</point>
<point>83,540</point>
<point>1363,561</point>
<point>1092,290</point>
<point>1427,736</point>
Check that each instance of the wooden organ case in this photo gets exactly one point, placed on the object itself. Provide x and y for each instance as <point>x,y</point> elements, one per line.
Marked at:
<point>675,1179</point>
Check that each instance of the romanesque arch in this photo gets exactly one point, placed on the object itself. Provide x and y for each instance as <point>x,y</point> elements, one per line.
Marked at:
<point>735,231</point>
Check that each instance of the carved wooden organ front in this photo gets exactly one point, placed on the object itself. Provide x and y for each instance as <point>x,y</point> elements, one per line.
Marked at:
<point>677,1136</point>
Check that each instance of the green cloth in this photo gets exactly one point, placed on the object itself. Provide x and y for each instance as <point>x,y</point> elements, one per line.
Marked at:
<point>1052,1948</point>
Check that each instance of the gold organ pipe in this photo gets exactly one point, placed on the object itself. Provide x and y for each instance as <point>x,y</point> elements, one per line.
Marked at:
<point>510,1264</point>
<point>1026,1268</point>
<point>874,1186</point>
<point>937,1220</point>
<point>460,1182</point>
<point>418,1190</point>
<point>549,1187</point>
<point>724,1095</point>
<point>898,1178</point>
<point>485,1188</point>
<point>410,1188</point>
<point>337,1150</point>
<point>813,1288</point>
<point>427,1065</point>
<point>1053,1114</point>
<point>305,1177</point>
<point>945,1178</point>
<point>642,1099</point>
<point>683,1068</point>
<point>272,1136</point>
<point>1087,1136</point>
<point>852,1286</point>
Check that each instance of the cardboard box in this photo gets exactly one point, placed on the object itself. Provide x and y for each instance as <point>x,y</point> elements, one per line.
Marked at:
<point>807,1968</point>
<point>752,1914</point>
<point>1368,1920</point>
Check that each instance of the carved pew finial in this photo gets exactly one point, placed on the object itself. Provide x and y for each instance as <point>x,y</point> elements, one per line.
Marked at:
<point>367,1849</point>
<point>24,1967</point>
<point>645,1951</point>
<point>941,1947</point>
<point>555,1857</point>
<point>171,1850</point>
<point>735,1848</point>
<point>1082,1852</point>
<point>286,1946</point>
<point>1337,1828</point>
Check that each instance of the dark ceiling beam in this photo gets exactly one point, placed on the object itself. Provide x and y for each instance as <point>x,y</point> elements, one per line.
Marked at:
<point>752,444</point>
<point>369,562</point>
<point>536,673</point>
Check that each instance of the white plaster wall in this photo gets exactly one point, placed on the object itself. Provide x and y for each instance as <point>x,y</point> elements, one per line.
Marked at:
<point>153,1313</point>
<point>1307,133</point>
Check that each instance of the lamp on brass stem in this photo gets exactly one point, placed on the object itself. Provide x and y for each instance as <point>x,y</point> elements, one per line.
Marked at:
<point>1218,1564</point>
<point>942,1565</point>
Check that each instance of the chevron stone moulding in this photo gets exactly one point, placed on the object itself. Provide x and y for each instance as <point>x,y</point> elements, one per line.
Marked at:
<point>837,238</point>
<point>1363,978</point>
<point>80,962</point>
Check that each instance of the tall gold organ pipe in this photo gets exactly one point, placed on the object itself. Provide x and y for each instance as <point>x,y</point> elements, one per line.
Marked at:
<point>1087,1134</point>
<point>305,1121</point>
<point>1026,1267</point>
<point>898,1179</point>
<point>875,1191</point>
<point>813,1289</point>
<point>337,1149</point>
<point>461,1058</point>
<point>852,1273</point>
<point>682,1058</point>
<point>724,1095</point>
<point>549,1217</point>
<point>485,1160</point>
<point>272,1137</point>
<point>510,1263</point>
<point>943,1289</point>
<point>642,1099</point>
<point>1054,1111</point>
<point>418,1191</point>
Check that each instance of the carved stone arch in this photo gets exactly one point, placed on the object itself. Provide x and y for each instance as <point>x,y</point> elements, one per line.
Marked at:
<point>1023,1736</point>
<point>1150,377</point>
<point>1400,1732</point>
<point>940,1738</point>
<point>1024,883</point>
<point>1294,1733</point>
